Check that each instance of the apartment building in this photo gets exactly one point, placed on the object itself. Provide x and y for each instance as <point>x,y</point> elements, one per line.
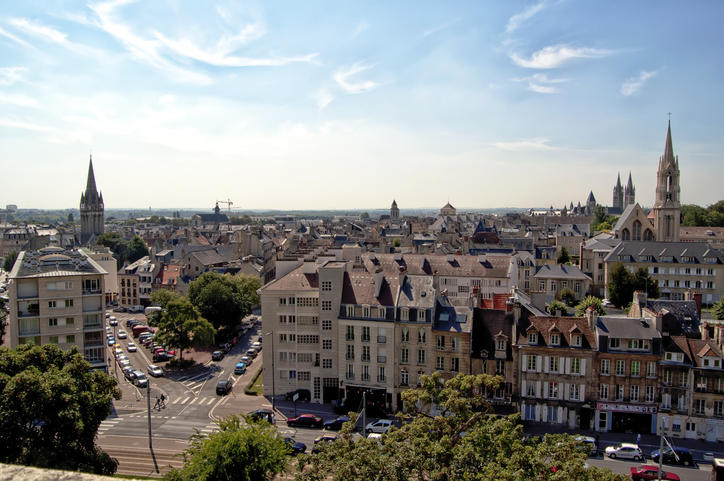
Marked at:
<point>452,332</point>
<point>593,253</point>
<point>492,352</point>
<point>57,297</point>
<point>553,279</point>
<point>136,282</point>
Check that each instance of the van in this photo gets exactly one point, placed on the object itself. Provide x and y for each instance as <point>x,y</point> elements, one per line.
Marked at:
<point>151,309</point>
<point>139,329</point>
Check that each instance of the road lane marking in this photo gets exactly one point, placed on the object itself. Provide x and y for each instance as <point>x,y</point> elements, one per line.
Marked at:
<point>177,400</point>
<point>211,401</point>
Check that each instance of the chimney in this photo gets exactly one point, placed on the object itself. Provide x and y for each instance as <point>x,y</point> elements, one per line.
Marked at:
<point>309,266</point>
<point>697,299</point>
<point>591,317</point>
<point>659,321</point>
<point>704,328</point>
<point>558,312</point>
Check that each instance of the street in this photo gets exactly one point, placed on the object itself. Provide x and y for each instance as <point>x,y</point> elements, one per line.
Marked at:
<point>698,473</point>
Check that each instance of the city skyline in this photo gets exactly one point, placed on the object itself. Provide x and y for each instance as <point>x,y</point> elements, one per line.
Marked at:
<point>182,105</point>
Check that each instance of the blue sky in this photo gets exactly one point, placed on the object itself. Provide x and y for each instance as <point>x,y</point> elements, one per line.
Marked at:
<point>325,105</point>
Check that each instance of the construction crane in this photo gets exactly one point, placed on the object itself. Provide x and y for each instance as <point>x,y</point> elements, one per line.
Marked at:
<point>228,202</point>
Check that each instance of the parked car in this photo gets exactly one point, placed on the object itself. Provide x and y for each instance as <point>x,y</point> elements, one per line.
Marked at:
<point>295,446</point>
<point>128,373</point>
<point>677,456</point>
<point>304,395</point>
<point>240,368</point>
<point>246,360</point>
<point>336,423</point>
<point>607,303</point>
<point>122,334</point>
<point>162,356</point>
<point>648,472</point>
<point>113,321</point>
<point>262,414</point>
<point>132,347</point>
<point>217,355</point>
<point>111,341</point>
<point>256,345</point>
<point>108,314</point>
<point>251,352</point>
<point>154,370</point>
<point>625,451</point>
<point>224,386</point>
<point>140,379</point>
<point>139,328</point>
<point>119,309</point>
<point>322,440</point>
<point>306,421</point>
<point>132,322</point>
<point>588,443</point>
<point>380,426</point>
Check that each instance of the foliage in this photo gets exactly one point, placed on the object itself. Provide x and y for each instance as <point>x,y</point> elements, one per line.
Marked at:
<point>569,297</point>
<point>238,451</point>
<point>10,260</point>
<point>254,388</point>
<point>136,249</point>
<point>623,284</point>
<point>563,257</point>
<point>124,251</point>
<point>3,319</point>
<point>224,299</point>
<point>718,310</point>
<point>51,404</point>
<point>182,327</point>
<point>457,440</point>
<point>590,301</point>
<point>161,297</point>
<point>177,363</point>
<point>695,215</point>
<point>364,216</point>
<point>70,218</point>
<point>396,243</point>
<point>557,305</point>
<point>601,220</point>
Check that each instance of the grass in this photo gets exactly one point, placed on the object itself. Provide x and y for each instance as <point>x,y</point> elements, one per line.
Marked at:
<point>255,386</point>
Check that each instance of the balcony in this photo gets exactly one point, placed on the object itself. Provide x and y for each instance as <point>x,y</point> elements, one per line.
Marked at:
<point>89,292</point>
<point>381,339</point>
<point>365,339</point>
<point>382,359</point>
<point>365,377</point>
<point>29,332</point>
<point>349,357</point>
<point>349,338</point>
<point>350,376</point>
<point>381,378</point>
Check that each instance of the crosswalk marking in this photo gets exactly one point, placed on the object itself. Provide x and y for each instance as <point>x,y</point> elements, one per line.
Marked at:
<point>211,400</point>
<point>177,400</point>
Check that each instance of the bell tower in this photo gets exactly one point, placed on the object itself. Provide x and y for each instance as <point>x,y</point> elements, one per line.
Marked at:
<point>667,208</point>
<point>91,209</point>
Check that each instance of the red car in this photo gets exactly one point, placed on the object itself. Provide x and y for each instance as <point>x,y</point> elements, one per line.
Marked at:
<point>648,471</point>
<point>306,421</point>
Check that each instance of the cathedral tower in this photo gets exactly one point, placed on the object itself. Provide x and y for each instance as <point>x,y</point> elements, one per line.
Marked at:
<point>91,209</point>
<point>667,208</point>
<point>618,194</point>
<point>629,193</point>
<point>394,211</point>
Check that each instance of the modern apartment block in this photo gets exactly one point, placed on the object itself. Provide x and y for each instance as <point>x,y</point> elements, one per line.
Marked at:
<point>57,297</point>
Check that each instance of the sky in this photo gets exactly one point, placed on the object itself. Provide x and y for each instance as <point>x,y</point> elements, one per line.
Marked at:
<point>346,105</point>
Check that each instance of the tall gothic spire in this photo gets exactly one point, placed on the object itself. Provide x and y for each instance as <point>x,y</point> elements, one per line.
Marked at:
<point>618,180</point>
<point>90,187</point>
<point>669,150</point>
<point>629,185</point>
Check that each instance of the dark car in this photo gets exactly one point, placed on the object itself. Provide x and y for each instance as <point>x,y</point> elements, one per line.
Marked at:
<point>323,440</point>
<point>306,421</point>
<point>262,415</point>
<point>340,407</point>
<point>132,322</point>
<point>162,356</point>
<point>295,446</point>
<point>217,355</point>
<point>224,386</point>
<point>304,395</point>
<point>683,454</point>
<point>336,423</point>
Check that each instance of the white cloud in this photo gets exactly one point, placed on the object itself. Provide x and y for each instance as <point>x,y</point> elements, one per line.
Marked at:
<point>516,20</point>
<point>323,98</point>
<point>361,27</point>
<point>343,79</point>
<point>11,75</point>
<point>633,84</point>
<point>541,83</point>
<point>42,31</point>
<point>19,124</point>
<point>18,99</point>
<point>440,27</point>
<point>15,38</point>
<point>554,56</point>
<point>524,145</point>
<point>541,89</point>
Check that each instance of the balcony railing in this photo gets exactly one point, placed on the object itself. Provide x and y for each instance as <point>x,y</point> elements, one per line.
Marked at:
<point>30,332</point>
<point>349,357</point>
<point>365,358</point>
<point>365,339</point>
<point>350,338</point>
<point>88,292</point>
<point>365,377</point>
<point>350,376</point>
<point>381,339</point>
<point>381,359</point>
<point>381,378</point>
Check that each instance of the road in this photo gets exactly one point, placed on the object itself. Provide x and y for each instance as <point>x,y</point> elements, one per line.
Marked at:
<point>697,473</point>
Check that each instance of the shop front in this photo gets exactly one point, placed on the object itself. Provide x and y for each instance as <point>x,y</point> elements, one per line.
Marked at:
<point>626,418</point>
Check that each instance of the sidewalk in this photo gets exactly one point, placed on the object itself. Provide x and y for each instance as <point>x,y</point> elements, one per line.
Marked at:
<point>649,442</point>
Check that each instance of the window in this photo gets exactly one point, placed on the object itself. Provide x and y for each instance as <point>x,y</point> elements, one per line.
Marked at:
<point>421,356</point>
<point>651,369</point>
<point>326,344</point>
<point>638,344</point>
<point>404,355</point>
<point>636,368</point>
<point>576,340</point>
<point>620,368</point>
<point>574,392</point>
<point>421,336</point>
<point>619,392</point>
<point>439,363</point>
<point>326,364</point>
<point>53,321</point>
<point>500,367</point>
<point>555,339</point>
<point>365,353</point>
<point>634,390</point>
<point>350,371</point>
<point>51,304</point>
<point>575,365</point>
<point>683,378</point>
<point>421,315</point>
<point>69,303</point>
<point>303,375</point>
<point>350,333</point>
<point>326,325</point>
<point>532,338</point>
<point>614,343</point>
<point>70,339</point>
<point>350,352</point>
<point>603,394</point>
<point>365,334</point>
<point>405,334</point>
<point>53,339</point>
<point>441,342</point>
<point>553,364</point>
<point>500,346</point>
<point>326,286</point>
<point>605,367</point>
<point>719,408</point>
<point>455,364</point>
<point>291,301</point>
<point>577,287</point>
<point>404,314</point>
<point>530,389</point>
<point>365,372</point>
<point>350,311</point>
<point>326,305</point>
<point>699,406</point>
<point>552,389</point>
<point>532,363</point>
<point>292,374</point>
<point>69,321</point>
<point>404,377</point>
<point>650,394</point>
<point>282,301</point>
<point>668,376</point>
<point>381,374</point>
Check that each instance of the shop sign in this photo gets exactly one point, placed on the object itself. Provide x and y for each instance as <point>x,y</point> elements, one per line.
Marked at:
<point>626,408</point>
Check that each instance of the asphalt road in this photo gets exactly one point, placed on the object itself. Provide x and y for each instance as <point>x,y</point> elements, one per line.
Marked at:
<point>701,472</point>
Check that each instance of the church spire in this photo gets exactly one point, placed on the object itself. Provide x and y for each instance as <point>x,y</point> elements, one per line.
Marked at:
<point>669,150</point>
<point>618,180</point>
<point>629,185</point>
<point>90,187</point>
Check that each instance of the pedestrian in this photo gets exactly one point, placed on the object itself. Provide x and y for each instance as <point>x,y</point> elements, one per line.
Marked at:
<point>638,439</point>
<point>163,400</point>
<point>158,403</point>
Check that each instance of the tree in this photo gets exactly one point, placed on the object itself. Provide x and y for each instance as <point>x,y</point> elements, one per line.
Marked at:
<point>70,218</point>
<point>10,261</point>
<point>51,404</point>
<point>238,451</point>
<point>137,249</point>
<point>590,301</point>
<point>718,310</point>
<point>563,257</point>
<point>449,435</point>
<point>556,306</point>
<point>3,319</point>
<point>569,297</point>
<point>623,284</point>
<point>116,244</point>
<point>396,242</point>
<point>641,281</point>
<point>181,326</point>
<point>364,216</point>
<point>224,299</point>
<point>161,297</point>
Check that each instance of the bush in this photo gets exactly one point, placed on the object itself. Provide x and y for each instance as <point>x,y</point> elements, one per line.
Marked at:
<point>251,389</point>
<point>556,305</point>
<point>180,364</point>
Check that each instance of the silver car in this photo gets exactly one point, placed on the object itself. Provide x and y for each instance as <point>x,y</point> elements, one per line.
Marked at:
<point>625,451</point>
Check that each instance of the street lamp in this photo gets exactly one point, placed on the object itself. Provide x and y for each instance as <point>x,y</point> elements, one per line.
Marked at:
<point>274,403</point>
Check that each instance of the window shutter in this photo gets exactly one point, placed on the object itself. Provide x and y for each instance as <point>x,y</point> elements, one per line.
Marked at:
<point>523,390</point>
<point>545,363</point>
<point>566,391</point>
<point>524,360</point>
<point>583,392</point>
<point>561,365</point>
<point>537,389</point>
<point>538,363</point>
<point>568,365</point>
<point>583,367</point>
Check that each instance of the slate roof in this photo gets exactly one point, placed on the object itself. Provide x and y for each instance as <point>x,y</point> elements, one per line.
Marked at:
<point>565,326</point>
<point>421,264</point>
<point>681,316</point>
<point>626,328</point>
<point>416,291</point>
<point>560,271</point>
<point>624,217</point>
<point>208,257</point>
<point>360,288</point>
<point>487,323</point>
<point>294,280</point>
<point>700,348</point>
<point>656,250</point>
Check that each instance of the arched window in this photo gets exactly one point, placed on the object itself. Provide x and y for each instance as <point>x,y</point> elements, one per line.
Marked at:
<point>625,235</point>
<point>648,235</point>
<point>637,230</point>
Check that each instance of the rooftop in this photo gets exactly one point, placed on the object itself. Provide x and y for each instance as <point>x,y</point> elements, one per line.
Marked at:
<point>54,261</point>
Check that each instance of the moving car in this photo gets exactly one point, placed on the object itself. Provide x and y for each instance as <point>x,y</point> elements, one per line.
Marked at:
<point>217,355</point>
<point>322,440</point>
<point>683,455</point>
<point>122,334</point>
<point>295,446</point>
<point>336,423</point>
<point>262,414</point>
<point>154,370</point>
<point>224,386</point>
<point>132,347</point>
<point>649,472</point>
<point>304,395</point>
<point>240,368</point>
<point>306,421</point>
<point>625,451</point>
<point>380,426</point>
<point>589,443</point>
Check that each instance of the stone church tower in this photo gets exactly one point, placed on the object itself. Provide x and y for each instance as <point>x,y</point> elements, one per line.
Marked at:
<point>629,193</point>
<point>667,208</point>
<point>91,209</point>
<point>618,195</point>
<point>394,211</point>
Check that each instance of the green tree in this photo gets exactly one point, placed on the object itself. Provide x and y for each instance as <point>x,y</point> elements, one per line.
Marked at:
<point>137,249</point>
<point>641,281</point>
<point>161,297</point>
<point>364,215</point>
<point>237,451</point>
<point>557,305</point>
<point>623,284</point>
<point>396,242</point>
<point>181,326</point>
<point>3,319</point>
<point>564,257</point>
<point>693,215</point>
<point>51,405</point>
<point>599,215</point>
<point>569,297</point>
<point>448,435</point>
<point>590,301</point>
<point>70,218</point>
<point>10,260</point>
<point>718,310</point>
<point>116,244</point>
<point>224,299</point>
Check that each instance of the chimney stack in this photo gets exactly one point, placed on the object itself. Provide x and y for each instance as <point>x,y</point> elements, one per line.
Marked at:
<point>591,317</point>
<point>697,299</point>
<point>704,328</point>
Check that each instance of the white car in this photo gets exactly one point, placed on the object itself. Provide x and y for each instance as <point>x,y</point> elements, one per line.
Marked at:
<point>625,451</point>
<point>131,347</point>
<point>124,363</point>
<point>256,345</point>
<point>113,321</point>
<point>154,370</point>
<point>376,436</point>
<point>122,334</point>
<point>606,303</point>
<point>380,426</point>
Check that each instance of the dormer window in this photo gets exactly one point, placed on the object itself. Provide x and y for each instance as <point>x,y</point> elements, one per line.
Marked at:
<point>500,346</point>
<point>576,340</point>
<point>532,338</point>
<point>404,314</point>
<point>555,339</point>
<point>421,315</point>
<point>674,356</point>
<point>712,362</point>
<point>350,310</point>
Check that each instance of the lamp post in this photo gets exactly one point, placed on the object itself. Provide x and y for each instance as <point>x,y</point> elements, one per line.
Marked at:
<point>273,374</point>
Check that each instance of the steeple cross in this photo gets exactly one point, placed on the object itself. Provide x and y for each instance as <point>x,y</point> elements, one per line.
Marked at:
<point>669,116</point>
